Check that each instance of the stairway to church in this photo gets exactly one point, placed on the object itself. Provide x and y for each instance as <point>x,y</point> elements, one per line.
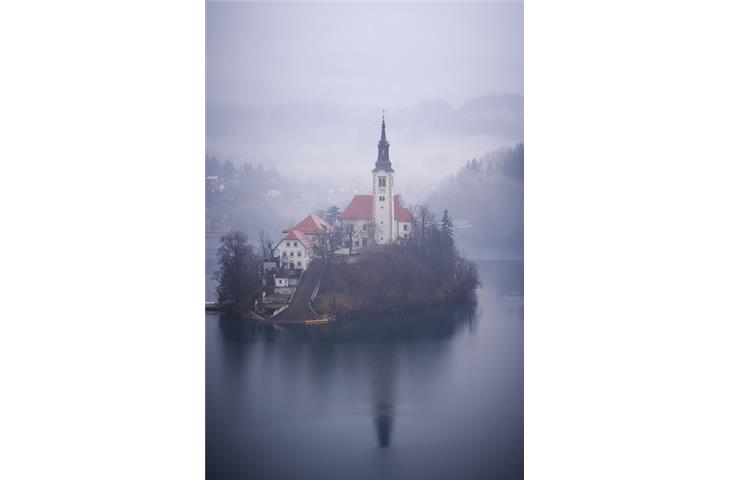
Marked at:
<point>298,309</point>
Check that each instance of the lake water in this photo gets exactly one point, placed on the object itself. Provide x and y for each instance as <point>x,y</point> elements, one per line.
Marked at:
<point>424,395</point>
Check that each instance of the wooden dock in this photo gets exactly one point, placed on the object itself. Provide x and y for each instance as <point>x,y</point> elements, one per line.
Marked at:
<point>320,320</point>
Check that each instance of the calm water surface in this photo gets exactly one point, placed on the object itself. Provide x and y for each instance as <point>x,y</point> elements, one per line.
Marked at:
<point>425,395</point>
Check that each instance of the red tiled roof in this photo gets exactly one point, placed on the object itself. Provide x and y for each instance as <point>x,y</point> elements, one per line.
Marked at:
<point>361,208</point>
<point>297,235</point>
<point>312,224</point>
<point>402,214</point>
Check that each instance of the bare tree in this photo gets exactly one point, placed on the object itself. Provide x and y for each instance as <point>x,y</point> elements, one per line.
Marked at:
<point>423,220</point>
<point>349,231</point>
<point>328,241</point>
<point>270,247</point>
<point>370,231</point>
<point>262,245</point>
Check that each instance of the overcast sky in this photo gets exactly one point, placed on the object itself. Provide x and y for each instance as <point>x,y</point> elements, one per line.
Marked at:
<point>301,86</point>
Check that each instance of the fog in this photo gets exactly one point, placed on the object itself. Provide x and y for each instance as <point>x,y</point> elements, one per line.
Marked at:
<point>300,88</point>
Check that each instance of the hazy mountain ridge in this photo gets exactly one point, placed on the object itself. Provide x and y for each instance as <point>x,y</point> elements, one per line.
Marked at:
<point>316,140</point>
<point>492,114</point>
<point>495,114</point>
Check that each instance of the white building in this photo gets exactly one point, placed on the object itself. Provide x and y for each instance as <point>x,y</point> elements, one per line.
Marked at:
<point>294,251</point>
<point>380,217</point>
<point>285,281</point>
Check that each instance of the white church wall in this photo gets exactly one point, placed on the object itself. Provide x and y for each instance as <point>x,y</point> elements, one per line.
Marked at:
<point>403,229</point>
<point>360,233</point>
<point>383,211</point>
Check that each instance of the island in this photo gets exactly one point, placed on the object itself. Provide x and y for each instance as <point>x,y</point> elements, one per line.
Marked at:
<point>375,255</point>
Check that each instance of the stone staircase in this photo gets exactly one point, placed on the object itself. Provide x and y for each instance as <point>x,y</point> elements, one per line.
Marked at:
<point>298,310</point>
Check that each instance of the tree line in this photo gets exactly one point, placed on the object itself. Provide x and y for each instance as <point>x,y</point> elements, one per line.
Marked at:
<point>424,269</point>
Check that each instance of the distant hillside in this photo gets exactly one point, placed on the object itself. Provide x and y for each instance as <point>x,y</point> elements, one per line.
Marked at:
<point>253,198</point>
<point>485,198</point>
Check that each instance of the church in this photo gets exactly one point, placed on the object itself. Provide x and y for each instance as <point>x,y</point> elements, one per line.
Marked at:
<point>381,217</point>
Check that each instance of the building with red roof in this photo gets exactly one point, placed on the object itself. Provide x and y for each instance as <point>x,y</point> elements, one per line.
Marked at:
<point>295,250</point>
<point>312,226</point>
<point>381,217</point>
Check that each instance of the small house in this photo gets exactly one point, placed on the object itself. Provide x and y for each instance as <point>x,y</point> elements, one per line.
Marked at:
<point>294,251</point>
<point>285,281</point>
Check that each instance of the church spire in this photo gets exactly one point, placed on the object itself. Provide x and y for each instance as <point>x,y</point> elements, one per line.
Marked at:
<point>383,162</point>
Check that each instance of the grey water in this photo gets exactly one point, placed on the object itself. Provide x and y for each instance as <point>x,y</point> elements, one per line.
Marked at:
<point>433,394</point>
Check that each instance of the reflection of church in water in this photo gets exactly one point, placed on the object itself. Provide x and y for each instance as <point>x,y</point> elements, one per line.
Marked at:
<point>374,352</point>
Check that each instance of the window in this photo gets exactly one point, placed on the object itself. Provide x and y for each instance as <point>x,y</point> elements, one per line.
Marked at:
<point>283,254</point>
<point>381,222</point>
<point>299,254</point>
<point>357,243</point>
<point>405,227</point>
<point>381,181</point>
<point>382,198</point>
<point>299,264</point>
<point>288,244</point>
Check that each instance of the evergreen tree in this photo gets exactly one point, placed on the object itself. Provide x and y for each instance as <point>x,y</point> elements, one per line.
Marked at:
<point>447,226</point>
<point>238,277</point>
<point>332,215</point>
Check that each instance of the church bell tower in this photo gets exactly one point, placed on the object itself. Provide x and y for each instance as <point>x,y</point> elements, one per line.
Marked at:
<point>383,208</point>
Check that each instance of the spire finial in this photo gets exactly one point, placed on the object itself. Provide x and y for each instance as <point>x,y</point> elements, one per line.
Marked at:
<point>382,128</point>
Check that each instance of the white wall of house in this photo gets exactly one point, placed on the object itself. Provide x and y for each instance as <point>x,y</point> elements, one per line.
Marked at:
<point>285,285</point>
<point>293,252</point>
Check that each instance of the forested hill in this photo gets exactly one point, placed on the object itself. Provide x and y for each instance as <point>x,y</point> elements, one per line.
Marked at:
<point>485,198</point>
<point>252,198</point>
